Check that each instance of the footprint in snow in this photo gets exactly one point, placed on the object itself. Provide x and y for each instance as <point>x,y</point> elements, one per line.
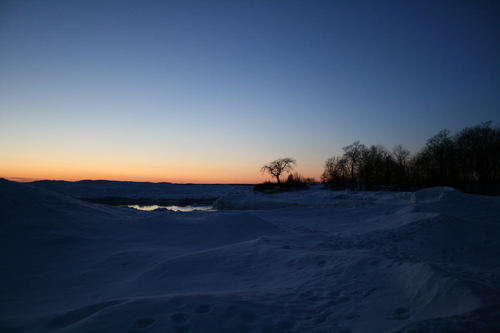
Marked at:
<point>142,323</point>
<point>203,309</point>
<point>401,314</point>
<point>179,322</point>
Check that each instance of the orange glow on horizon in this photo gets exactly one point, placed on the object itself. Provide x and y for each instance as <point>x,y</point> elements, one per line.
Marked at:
<point>136,178</point>
<point>181,178</point>
<point>152,178</point>
<point>138,172</point>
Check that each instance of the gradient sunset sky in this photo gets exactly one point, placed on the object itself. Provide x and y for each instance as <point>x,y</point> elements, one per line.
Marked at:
<point>209,91</point>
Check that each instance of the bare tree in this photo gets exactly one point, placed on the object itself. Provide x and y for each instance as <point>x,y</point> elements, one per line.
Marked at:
<point>336,174</point>
<point>373,164</point>
<point>402,154</point>
<point>440,153</point>
<point>276,168</point>
<point>354,153</point>
<point>478,157</point>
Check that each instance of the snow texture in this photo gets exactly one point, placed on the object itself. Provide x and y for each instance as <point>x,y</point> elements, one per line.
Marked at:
<point>306,261</point>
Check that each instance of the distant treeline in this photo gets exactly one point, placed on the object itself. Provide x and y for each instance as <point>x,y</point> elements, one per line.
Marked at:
<point>468,161</point>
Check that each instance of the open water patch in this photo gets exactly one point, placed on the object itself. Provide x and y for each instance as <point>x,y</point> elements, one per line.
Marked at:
<point>176,208</point>
<point>149,204</point>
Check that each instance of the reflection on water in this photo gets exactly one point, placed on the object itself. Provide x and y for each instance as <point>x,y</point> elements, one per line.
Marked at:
<point>188,208</point>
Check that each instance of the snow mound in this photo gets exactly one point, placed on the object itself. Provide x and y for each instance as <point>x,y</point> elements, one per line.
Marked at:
<point>432,292</point>
<point>434,194</point>
<point>238,201</point>
<point>20,203</point>
<point>237,225</point>
<point>353,203</point>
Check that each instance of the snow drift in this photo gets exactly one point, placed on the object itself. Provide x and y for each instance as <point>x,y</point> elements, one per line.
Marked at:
<point>292,262</point>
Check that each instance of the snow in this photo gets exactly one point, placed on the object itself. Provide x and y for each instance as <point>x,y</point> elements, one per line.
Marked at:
<point>305,261</point>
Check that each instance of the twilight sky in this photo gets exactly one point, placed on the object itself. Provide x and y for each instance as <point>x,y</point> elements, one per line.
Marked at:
<point>208,91</point>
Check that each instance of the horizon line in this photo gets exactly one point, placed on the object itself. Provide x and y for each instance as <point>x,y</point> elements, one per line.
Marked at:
<point>32,180</point>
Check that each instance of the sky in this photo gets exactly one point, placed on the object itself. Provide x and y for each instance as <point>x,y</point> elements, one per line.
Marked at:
<point>209,91</point>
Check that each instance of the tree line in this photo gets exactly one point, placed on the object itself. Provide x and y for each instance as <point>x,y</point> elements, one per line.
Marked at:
<point>468,160</point>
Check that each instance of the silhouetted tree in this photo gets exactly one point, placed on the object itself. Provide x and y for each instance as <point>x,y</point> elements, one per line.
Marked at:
<point>373,167</point>
<point>469,161</point>
<point>437,160</point>
<point>401,154</point>
<point>353,154</point>
<point>276,168</point>
<point>336,174</point>
<point>295,181</point>
<point>478,157</point>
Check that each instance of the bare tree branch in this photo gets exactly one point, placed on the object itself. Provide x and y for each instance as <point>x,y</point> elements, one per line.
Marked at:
<point>276,168</point>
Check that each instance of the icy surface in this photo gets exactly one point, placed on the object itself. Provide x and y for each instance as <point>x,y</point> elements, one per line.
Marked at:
<point>136,190</point>
<point>307,261</point>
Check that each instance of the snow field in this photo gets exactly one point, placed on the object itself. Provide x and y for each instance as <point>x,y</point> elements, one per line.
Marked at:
<point>309,261</point>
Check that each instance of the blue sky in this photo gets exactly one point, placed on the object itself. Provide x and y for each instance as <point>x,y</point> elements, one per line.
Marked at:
<point>208,91</point>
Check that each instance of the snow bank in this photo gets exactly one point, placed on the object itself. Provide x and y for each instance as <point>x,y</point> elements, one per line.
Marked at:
<point>434,194</point>
<point>20,203</point>
<point>241,201</point>
<point>245,200</point>
<point>305,264</point>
